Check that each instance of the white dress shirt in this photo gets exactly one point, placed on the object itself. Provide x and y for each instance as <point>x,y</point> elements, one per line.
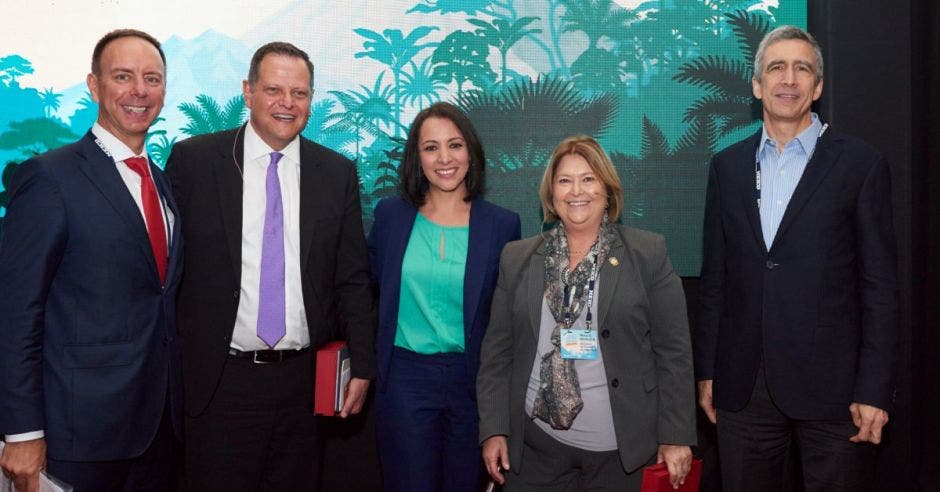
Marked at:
<point>254,199</point>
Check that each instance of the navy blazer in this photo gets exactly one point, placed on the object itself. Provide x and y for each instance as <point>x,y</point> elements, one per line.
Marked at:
<point>88,347</point>
<point>819,308</point>
<point>491,227</point>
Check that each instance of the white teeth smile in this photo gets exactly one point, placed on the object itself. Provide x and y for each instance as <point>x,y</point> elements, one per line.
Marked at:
<point>445,172</point>
<point>136,109</point>
<point>283,117</point>
<point>578,204</point>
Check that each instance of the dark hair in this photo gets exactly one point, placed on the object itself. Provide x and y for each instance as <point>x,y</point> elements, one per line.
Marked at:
<point>118,34</point>
<point>277,48</point>
<point>412,182</point>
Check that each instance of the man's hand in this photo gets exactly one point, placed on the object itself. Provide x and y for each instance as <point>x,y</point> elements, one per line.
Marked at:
<point>869,421</point>
<point>705,399</point>
<point>22,462</point>
<point>678,461</point>
<point>496,457</point>
<point>356,392</point>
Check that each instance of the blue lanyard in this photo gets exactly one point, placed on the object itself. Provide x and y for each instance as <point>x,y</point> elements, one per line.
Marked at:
<point>590,298</point>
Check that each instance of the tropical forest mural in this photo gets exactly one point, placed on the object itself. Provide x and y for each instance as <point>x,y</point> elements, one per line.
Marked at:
<point>661,84</point>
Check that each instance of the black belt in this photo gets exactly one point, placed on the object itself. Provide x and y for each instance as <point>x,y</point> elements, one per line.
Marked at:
<point>267,356</point>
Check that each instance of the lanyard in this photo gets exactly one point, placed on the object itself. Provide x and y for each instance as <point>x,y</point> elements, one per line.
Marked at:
<point>757,165</point>
<point>590,298</point>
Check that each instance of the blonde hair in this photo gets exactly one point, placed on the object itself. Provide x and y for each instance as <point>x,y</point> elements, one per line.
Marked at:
<point>597,159</point>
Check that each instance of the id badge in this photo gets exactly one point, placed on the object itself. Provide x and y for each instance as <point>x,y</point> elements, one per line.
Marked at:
<point>579,344</point>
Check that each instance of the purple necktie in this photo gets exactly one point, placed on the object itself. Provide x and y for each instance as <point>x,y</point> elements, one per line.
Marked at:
<point>271,326</point>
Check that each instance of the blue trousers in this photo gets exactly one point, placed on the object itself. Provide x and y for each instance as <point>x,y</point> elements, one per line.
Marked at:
<point>426,424</point>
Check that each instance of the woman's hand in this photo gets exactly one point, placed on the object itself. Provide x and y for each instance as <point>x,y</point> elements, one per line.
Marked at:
<point>496,457</point>
<point>678,460</point>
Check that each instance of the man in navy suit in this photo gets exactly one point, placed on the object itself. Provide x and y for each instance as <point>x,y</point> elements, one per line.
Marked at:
<point>89,263</point>
<point>797,329</point>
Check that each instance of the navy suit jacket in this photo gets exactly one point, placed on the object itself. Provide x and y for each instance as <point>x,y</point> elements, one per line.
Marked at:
<point>88,348</point>
<point>819,308</point>
<point>491,227</point>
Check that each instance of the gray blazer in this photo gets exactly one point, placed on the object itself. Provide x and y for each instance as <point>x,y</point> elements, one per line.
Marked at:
<point>644,339</point>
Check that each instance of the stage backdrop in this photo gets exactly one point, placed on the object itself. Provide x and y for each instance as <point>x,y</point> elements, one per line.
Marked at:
<point>662,84</point>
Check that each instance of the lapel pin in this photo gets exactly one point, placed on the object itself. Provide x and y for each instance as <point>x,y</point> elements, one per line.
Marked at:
<point>614,261</point>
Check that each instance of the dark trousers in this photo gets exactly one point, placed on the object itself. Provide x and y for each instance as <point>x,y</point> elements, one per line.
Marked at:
<point>426,424</point>
<point>754,447</point>
<point>151,471</point>
<point>259,431</point>
<point>549,465</point>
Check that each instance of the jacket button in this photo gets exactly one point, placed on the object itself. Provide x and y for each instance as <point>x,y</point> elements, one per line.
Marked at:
<point>770,264</point>
<point>615,382</point>
<point>236,293</point>
<point>605,333</point>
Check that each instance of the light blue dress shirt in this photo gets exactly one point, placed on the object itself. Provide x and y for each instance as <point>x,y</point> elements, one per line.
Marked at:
<point>780,173</point>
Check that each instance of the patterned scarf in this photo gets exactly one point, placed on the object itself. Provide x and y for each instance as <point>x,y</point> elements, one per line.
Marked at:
<point>558,400</point>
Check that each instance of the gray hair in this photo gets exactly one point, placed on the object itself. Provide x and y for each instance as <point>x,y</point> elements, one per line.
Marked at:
<point>784,33</point>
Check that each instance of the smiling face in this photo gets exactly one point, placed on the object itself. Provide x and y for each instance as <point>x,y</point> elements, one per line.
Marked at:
<point>579,197</point>
<point>789,82</point>
<point>279,100</point>
<point>129,89</point>
<point>444,156</point>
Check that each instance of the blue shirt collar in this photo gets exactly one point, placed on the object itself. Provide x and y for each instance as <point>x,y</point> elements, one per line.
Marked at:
<point>806,139</point>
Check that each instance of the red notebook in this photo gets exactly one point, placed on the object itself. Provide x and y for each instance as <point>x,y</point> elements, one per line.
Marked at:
<point>331,378</point>
<point>656,478</point>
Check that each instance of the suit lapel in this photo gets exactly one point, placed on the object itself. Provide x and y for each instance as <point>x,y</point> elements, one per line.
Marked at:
<point>478,255</point>
<point>535,287</point>
<point>163,188</point>
<point>746,179</point>
<point>99,167</point>
<point>228,170</point>
<point>826,153</point>
<point>608,290</point>
<point>309,194</point>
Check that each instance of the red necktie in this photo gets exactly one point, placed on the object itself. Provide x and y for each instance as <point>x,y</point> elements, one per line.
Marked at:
<point>152,214</point>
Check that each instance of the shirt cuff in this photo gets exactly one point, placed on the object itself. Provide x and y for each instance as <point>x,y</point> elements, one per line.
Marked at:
<point>26,436</point>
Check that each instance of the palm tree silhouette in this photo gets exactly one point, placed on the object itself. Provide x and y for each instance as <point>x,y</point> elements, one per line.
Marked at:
<point>502,34</point>
<point>207,116</point>
<point>50,101</point>
<point>365,111</point>
<point>421,85</point>
<point>729,101</point>
<point>319,129</point>
<point>394,50</point>
<point>35,136</point>
<point>595,18</point>
<point>14,66</point>
<point>461,57</point>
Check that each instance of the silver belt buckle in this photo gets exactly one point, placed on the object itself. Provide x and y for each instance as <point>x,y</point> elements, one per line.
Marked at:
<point>254,358</point>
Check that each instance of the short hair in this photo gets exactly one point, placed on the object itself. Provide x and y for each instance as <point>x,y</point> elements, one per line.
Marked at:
<point>413,184</point>
<point>784,33</point>
<point>601,165</point>
<point>118,34</point>
<point>277,48</point>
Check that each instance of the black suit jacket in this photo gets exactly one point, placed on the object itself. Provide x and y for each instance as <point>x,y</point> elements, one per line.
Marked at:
<point>819,308</point>
<point>334,262</point>
<point>88,348</point>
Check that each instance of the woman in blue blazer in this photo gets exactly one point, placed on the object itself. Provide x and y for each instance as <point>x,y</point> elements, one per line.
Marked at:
<point>435,256</point>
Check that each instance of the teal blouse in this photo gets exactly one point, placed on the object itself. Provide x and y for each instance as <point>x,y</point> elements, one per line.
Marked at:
<point>430,306</point>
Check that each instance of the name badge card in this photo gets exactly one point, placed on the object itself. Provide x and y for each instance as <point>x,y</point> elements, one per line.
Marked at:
<point>579,344</point>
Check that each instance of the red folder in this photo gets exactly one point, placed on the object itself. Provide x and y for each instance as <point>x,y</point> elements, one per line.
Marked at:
<point>656,478</point>
<point>332,375</point>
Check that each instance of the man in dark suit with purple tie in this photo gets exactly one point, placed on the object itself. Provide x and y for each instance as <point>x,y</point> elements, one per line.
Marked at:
<point>90,261</point>
<point>797,334</point>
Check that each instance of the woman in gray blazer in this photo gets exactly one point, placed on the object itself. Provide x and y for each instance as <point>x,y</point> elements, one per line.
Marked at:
<point>586,367</point>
